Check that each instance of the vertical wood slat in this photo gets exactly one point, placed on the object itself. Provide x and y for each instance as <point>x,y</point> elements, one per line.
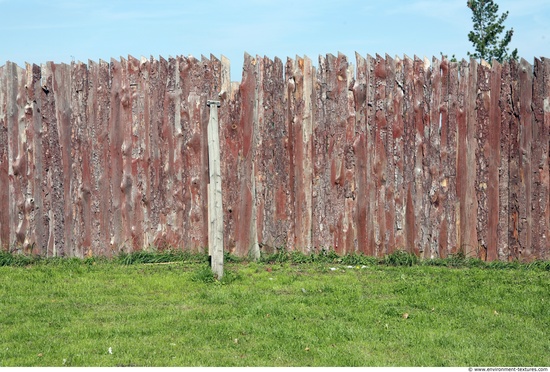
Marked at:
<point>379,135</point>
<point>433,161</point>
<point>483,157</point>
<point>245,230</point>
<point>525,160</point>
<point>17,155</point>
<point>445,198</point>
<point>5,224</point>
<point>545,176</point>
<point>540,170</point>
<point>397,93</point>
<point>494,222</point>
<point>300,124</point>
<point>362,220</point>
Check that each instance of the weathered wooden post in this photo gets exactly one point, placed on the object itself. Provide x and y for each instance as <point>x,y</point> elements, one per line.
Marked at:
<point>215,209</point>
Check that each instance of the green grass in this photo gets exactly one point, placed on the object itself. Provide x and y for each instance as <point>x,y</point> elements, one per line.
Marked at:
<point>166,309</point>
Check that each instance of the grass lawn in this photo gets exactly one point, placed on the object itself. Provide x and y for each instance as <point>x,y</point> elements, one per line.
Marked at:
<point>104,313</point>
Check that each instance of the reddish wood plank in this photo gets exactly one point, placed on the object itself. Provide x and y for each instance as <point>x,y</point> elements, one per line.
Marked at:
<point>137,90</point>
<point>545,177</point>
<point>391,156</point>
<point>81,163</point>
<point>514,162</point>
<point>362,220</point>
<point>434,176</point>
<point>409,166</point>
<point>4,163</point>
<point>379,135</point>
<point>245,231</point>
<point>445,197</point>
<point>37,234</point>
<point>466,167</point>
<point>116,130</point>
<point>373,225</point>
<point>525,165</point>
<point>482,156</point>
<point>17,156</point>
<point>230,143</point>
<point>194,172</point>
<point>506,113</point>
<point>299,118</point>
<point>395,74</point>
<point>494,164</point>
<point>540,164</point>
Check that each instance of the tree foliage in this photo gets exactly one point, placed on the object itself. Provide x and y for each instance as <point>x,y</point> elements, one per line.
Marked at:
<point>486,35</point>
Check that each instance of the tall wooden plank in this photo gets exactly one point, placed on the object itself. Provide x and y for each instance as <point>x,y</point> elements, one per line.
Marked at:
<point>391,157</point>
<point>137,140</point>
<point>17,156</point>
<point>38,232</point>
<point>452,205</point>
<point>246,233</point>
<point>482,157</point>
<point>545,177</point>
<point>380,155</point>
<point>102,164</point>
<point>422,145</point>
<point>322,234</point>
<point>362,221</point>
<point>506,113</point>
<point>394,70</point>
<point>81,184</point>
<point>446,198</point>
<point>514,162</point>
<point>466,166</point>
<point>409,134</point>
<point>300,124</point>
<point>231,140</point>
<point>4,164</point>
<point>169,234</point>
<point>434,178</point>
<point>525,165</point>
<point>54,188</point>
<point>116,137</point>
<point>539,164</point>
<point>340,161</point>
<point>194,158</point>
<point>350,232</point>
<point>373,227</point>
<point>494,164</point>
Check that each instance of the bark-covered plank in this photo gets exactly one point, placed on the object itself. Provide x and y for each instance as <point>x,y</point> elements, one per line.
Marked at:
<point>539,163</point>
<point>482,156</point>
<point>466,167</point>
<point>545,178</point>
<point>4,164</point>
<point>494,164</point>
<point>245,231</point>
<point>525,166</point>
<point>434,177</point>
<point>409,134</point>
<point>362,220</point>
<point>514,162</point>
<point>379,135</point>
<point>81,167</point>
<point>394,70</point>
<point>17,156</point>
<point>506,113</point>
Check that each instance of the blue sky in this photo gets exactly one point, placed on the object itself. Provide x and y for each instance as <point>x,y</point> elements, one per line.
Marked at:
<point>37,31</point>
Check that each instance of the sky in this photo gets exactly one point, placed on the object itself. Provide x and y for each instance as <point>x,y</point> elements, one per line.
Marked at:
<point>37,31</point>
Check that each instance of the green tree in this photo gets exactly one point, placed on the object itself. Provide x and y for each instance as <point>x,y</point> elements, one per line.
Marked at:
<point>488,27</point>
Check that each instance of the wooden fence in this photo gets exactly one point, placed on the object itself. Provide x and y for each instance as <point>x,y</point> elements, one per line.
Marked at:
<point>434,157</point>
